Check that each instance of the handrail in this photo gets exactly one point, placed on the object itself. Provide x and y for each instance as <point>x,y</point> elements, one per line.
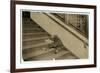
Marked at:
<point>71,30</point>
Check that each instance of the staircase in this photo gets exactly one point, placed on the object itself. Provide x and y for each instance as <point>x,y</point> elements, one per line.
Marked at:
<point>35,41</point>
<point>72,40</point>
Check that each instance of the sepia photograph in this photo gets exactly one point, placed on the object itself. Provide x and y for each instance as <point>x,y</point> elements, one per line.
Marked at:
<point>54,36</point>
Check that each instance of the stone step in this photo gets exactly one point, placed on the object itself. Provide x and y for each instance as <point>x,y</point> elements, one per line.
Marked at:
<point>29,21</point>
<point>35,31</point>
<point>26,51</point>
<point>26,28</point>
<point>50,55</point>
<point>39,33</point>
<point>67,56</point>
<point>36,53</point>
<point>28,24</point>
<point>26,43</point>
<point>37,38</point>
<point>36,45</point>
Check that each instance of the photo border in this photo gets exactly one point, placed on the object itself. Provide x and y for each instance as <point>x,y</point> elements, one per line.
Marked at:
<point>13,35</point>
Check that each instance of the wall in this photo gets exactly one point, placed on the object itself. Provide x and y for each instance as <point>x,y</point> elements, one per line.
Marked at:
<point>5,37</point>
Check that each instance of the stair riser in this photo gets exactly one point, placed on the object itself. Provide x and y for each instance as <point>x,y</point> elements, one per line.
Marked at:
<point>30,30</point>
<point>26,51</point>
<point>26,43</point>
<point>30,25</point>
<point>50,55</point>
<point>36,57</point>
<point>67,56</point>
<point>36,31</point>
<point>34,36</point>
<point>40,46</point>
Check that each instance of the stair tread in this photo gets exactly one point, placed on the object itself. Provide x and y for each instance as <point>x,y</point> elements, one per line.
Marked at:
<point>36,45</point>
<point>34,33</point>
<point>32,42</point>
<point>36,38</point>
<point>36,53</point>
<point>26,29</point>
<point>58,54</point>
<point>31,26</point>
<point>67,56</point>
<point>50,56</point>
